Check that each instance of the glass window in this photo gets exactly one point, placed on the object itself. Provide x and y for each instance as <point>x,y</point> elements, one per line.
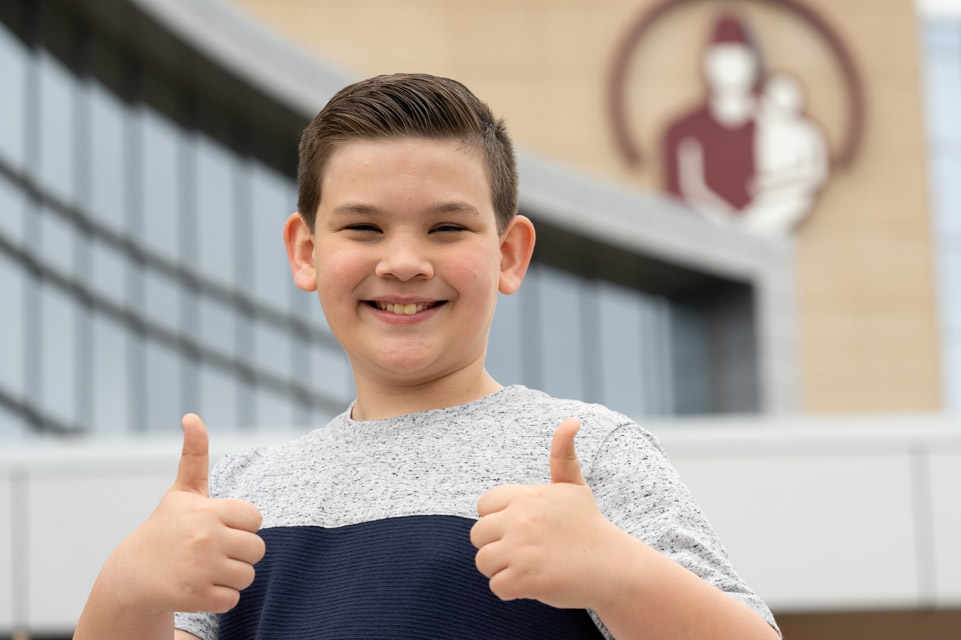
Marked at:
<point>218,398</point>
<point>733,354</point>
<point>949,284</point>
<point>331,374</point>
<point>302,416</point>
<point>161,204</point>
<point>320,416</point>
<point>951,365</point>
<point>57,153</point>
<point>12,425</point>
<point>107,268</point>
<point>274,411</point>
<point>12,204</point>
<point>306,306</point>
<point>656,340</point>
<point>57,242</point>
<point>273,350</point>
<point>83,335</point>
<point>942,84</point>
<point>317,317</point>
<point>505,352</point>
<point>215,218</point>
<point>12,327</point>
<point>108,166</point>
<point>273,200</point>
<point>218,326</point>
<point>165,404</point>
<point>15,63</point>
<point>162,300</point>
<point>112,391</point>
<point>620,315</point>
<point>559,300</point>
<point>942,79</point>
<point>58,354</point>
<point>946,167</point>
<point>692,364</point>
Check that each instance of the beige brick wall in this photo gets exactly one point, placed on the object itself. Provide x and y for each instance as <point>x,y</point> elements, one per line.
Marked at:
<point>868,331</point>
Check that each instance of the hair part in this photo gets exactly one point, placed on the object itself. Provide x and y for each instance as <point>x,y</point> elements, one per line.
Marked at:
<point>408,106</point>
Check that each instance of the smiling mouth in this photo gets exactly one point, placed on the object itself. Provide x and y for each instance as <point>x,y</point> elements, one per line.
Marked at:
<point>403,309</point>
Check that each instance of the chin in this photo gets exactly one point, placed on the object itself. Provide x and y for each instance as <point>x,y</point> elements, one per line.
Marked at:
<point>413,366</point>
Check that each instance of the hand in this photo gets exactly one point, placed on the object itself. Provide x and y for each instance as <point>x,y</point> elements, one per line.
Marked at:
<point>545,541</point>
<point>193,553</point>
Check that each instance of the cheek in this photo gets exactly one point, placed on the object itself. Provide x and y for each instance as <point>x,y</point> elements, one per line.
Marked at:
<point>338,271</point>
<point>333,260</point>
<point>476,270</point>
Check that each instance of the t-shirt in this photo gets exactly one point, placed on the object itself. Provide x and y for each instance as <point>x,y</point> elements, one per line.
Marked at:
<point>366,523</point>
<point>728,156</point>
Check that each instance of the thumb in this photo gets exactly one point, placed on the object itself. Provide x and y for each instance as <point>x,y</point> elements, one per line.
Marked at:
<point>192,473</point>
<point>565,467</point>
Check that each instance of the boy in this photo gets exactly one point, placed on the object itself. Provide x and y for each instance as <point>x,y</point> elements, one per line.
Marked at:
<point>368,527</point>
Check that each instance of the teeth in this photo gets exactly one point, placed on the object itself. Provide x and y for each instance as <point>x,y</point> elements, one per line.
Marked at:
<point>401,309</point>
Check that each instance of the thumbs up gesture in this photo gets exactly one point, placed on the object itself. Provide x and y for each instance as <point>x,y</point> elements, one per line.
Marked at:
<point>193,553</point>
<point>545,541</point>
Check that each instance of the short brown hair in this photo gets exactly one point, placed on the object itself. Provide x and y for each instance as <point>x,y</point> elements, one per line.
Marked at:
<point>408,106</point>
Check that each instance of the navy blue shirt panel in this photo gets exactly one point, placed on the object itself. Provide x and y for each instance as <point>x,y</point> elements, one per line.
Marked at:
<point>399,578</point>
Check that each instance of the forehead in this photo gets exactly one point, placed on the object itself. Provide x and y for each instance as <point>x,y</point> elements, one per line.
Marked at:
<point>384,168</point>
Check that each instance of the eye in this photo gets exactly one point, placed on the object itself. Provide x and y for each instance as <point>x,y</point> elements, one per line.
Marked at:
<point>362,227</point>
<point>447,228</point>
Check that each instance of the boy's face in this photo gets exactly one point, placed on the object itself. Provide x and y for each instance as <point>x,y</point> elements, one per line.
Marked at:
<point>407,259</point>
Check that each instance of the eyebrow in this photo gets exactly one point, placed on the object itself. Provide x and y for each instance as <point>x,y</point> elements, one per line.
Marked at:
<point>453,207</point>
<point>350,209</point>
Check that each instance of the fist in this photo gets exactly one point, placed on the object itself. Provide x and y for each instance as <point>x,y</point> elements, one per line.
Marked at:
<point>193,553</point>
<point>544,541</point>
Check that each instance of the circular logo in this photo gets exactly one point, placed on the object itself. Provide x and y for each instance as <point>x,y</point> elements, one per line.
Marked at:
<point>747,154</point>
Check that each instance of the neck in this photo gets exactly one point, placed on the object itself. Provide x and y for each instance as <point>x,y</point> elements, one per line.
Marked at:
<point>732,108</point>
<point>380,399</point>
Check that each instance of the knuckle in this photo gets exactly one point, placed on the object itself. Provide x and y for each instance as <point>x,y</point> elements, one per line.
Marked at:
<point>253,513</point>
<point>247,578</point>
<point>224,600</point>
<point>475,534</point>
<point>260,548</point>
<point>502,588</point>
<point>481,562</point>
<point>191,594</point>
<point>201,539</point>
<point>527,491</point>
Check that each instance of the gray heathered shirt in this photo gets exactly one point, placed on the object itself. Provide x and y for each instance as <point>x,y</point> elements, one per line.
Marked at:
<point>438,463</point>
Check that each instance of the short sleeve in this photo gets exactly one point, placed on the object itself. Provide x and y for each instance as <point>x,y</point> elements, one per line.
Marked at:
<point>638,489</point>
<point>202,625</point>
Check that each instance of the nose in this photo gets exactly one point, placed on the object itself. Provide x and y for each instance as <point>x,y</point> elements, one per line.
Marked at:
<point>404,258</point>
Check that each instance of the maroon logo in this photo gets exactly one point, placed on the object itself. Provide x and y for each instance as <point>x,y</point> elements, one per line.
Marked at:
<point>747,154</point>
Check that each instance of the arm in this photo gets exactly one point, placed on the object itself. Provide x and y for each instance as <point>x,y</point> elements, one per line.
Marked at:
<point>192,554</point>
<point>643,594</point>
<point>552,543</point>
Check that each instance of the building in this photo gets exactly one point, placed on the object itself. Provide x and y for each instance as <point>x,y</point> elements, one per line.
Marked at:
<point>147,162</point>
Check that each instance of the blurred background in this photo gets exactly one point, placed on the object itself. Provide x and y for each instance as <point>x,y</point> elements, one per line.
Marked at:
<point>749,239</point>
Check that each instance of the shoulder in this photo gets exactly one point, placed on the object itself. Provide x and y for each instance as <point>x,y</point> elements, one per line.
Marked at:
<point>601,427</point>
<point>243,473</point>
<point>689,123</point>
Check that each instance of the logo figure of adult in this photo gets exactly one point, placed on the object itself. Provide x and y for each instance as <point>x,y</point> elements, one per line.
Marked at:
<point>747,156</point>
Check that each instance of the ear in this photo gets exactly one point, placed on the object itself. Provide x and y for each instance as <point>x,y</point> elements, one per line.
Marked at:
<point>300,252</point>
<point>517,246</point>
